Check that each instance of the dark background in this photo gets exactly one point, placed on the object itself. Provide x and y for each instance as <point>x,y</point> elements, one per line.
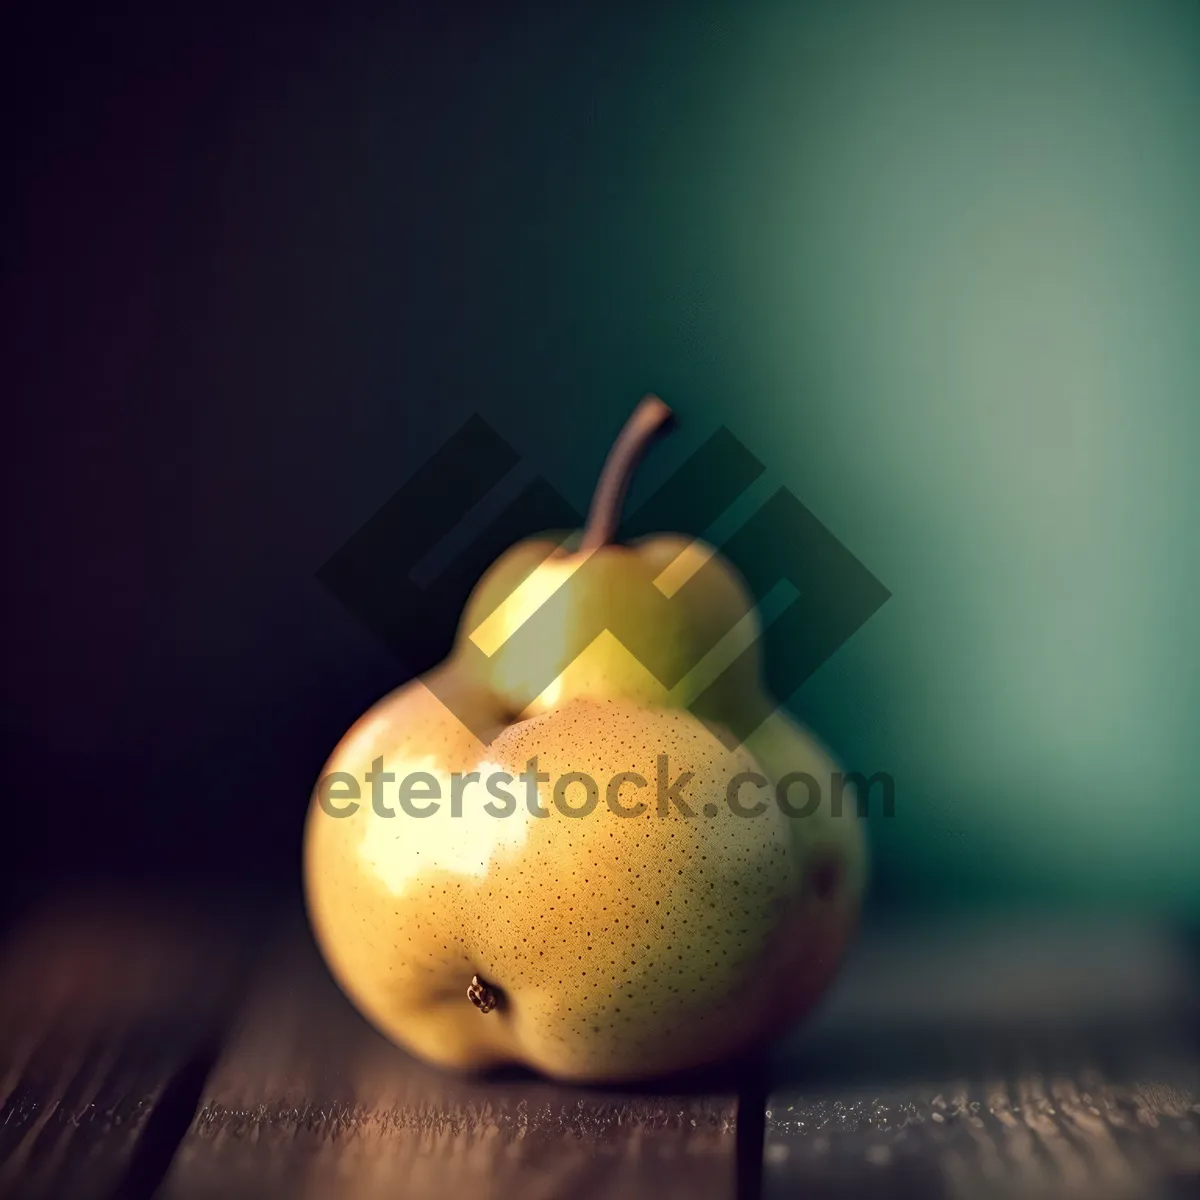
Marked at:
<point>256,273</point>
<point>258,265</point>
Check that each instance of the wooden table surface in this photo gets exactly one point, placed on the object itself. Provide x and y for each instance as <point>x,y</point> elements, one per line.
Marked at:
<point>149,1047</point>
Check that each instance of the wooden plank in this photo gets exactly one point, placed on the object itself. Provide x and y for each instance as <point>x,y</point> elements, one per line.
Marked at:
<point>309,1101</point>
<point>1030,1134</point>
<point>110,1011</point>
<point>995,1061</point>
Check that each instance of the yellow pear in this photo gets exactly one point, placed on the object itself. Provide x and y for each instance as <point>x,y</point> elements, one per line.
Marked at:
<point>548,621</point>
<point>555,850</point>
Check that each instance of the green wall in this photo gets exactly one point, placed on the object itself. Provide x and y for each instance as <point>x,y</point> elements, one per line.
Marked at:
<point>939,266</point>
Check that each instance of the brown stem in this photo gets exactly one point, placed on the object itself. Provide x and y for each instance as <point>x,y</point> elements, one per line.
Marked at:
<point>648,419</point>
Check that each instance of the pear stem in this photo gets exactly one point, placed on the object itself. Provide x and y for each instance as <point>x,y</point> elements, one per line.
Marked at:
<point>645,422</point>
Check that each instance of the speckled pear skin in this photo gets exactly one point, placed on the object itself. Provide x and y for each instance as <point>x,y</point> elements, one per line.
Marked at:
<point>652,920</point>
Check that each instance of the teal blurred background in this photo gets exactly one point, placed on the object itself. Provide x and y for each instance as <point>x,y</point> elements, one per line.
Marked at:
<point>937,264</point>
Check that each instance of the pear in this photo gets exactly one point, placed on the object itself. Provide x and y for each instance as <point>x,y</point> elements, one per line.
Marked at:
<point>558,617</point>
<point>584,851</point>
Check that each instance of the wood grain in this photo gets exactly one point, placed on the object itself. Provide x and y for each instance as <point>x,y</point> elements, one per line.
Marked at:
<point>110,1011</point>
<point>1019,1060</point>
<point>309,1101</point>
<point>1011,1061</point>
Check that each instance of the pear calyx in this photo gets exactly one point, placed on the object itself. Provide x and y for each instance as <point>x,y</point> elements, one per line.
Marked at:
<point>481,995</point>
